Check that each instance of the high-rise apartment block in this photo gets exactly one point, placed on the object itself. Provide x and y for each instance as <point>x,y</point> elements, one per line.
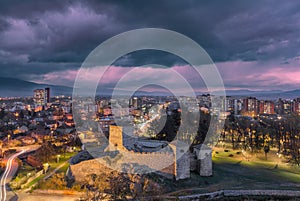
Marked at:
<point>266,107</point>
<point>250,106</point>
<point>41,96</point>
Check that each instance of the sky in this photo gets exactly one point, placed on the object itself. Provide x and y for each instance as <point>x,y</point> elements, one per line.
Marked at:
<point>254,44</point>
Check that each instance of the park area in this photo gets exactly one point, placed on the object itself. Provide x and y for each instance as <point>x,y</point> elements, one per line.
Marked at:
<point>29,178</point>
<point>233,170</point>
<point>240,170</point>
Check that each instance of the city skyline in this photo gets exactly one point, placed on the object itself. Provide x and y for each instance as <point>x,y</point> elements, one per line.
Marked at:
<point>254,45</point>
<point>149,100</point>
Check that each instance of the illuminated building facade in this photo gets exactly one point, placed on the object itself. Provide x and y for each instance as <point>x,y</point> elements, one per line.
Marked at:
<point>250,106</point>
<point>41,96</point>
<point>266,107</point>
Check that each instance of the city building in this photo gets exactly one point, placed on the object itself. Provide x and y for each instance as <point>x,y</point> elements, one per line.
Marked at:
<point>286,106</point>
<point>250,107</point>
<point>266,107</point>
<point>279,108</point>
<point>41,96</point>
<point>47,95</point>
<point>295,106</point>
<point>135,102</point>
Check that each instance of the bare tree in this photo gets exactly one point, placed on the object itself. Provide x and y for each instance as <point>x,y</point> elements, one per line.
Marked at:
<point>46,152</point>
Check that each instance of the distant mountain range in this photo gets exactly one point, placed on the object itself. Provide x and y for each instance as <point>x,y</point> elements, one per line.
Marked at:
<point>18,87</point>
<point>273,94</point>
<point>15,87</point>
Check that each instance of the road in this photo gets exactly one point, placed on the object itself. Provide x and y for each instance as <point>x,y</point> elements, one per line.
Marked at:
<point>47,197</point>
<point>10,170</point>
<point>145,125</point>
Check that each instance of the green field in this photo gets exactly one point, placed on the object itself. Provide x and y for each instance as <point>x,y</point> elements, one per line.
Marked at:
<point>64,157</point>
<point>25,169</point>
<point>237,170</point>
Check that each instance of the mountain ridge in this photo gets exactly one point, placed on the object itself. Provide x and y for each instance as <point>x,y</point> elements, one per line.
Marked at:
<point>18,87</point>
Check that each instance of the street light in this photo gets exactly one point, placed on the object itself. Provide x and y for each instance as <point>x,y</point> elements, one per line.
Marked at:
<point>278,160</point>
<point>8,138</point>
<point>46,166</point>
<point>57,157</point>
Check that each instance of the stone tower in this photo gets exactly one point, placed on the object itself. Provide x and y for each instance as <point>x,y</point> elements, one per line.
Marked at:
<point>116,137</point>
<point>204,159</point>
<point>181,160</point>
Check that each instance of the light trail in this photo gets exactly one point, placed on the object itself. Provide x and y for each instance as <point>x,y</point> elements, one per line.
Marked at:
<point>6,174</point>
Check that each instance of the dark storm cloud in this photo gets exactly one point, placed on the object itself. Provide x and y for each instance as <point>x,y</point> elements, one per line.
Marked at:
<point>31,8</point>
<point>40,37</point>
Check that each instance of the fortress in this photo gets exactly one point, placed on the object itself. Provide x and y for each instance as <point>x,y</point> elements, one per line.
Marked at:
<point>174,160</point>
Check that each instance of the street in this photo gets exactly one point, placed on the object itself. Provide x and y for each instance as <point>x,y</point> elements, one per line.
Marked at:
<point>10,170</point>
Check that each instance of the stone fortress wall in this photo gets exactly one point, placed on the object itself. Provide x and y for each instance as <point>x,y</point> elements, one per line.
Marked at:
<point>174,161</point>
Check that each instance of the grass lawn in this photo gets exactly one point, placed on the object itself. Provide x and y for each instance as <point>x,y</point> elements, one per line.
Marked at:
<point>240,170</point>
<point>255,167</point>
<point>53,164</point>
<point>35,181</point>
<point>22,175</point>
<point>64,168</point>
<point>24,170</point>
<point>63,157</point>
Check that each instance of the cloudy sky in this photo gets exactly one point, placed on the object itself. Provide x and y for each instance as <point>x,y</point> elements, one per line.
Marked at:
<point>255,45</point>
